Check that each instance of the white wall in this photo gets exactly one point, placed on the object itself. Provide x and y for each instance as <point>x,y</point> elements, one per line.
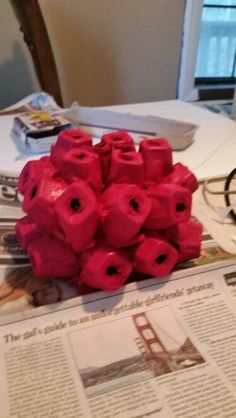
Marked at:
<point>107,51</point>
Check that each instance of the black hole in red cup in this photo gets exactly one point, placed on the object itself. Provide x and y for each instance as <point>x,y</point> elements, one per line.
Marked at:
<point>180,207</point>
<point>161,258</point>
<point>77,136</point>
<point>116,138</point>
<point>56,175</point>
<point>33,192</point>
<point>81,156</point>
<point>111,271</point>
<point>134,204</point>
<point>75,204</point>
<point>176,245</point>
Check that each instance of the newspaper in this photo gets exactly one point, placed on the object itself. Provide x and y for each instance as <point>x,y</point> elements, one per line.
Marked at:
<point>161,348</point>
<point>155,348</point>
<point>98,121</point>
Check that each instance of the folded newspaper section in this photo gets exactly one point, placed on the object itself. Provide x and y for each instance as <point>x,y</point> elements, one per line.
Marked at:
<point>164,351</point>
<point>95,121</point>
<point>39,119</point>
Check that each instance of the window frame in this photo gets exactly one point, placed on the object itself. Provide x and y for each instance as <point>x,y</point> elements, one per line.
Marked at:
<point>188,88</point>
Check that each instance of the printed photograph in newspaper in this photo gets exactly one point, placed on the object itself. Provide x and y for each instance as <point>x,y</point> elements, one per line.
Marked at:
<point>154,344</point>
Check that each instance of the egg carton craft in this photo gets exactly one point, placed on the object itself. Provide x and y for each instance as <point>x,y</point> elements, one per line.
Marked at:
<point>97,213</point>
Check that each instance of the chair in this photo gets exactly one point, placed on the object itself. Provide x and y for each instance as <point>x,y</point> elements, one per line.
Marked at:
<point>30,18</point>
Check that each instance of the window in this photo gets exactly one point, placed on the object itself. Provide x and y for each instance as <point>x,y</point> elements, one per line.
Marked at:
<point>208,62</point>
<point>216,58</point>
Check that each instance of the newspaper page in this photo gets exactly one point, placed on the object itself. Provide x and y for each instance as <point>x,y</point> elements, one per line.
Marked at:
<point>161,349</point>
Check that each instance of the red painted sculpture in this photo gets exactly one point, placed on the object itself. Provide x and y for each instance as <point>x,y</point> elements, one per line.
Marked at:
<point>97,213</point>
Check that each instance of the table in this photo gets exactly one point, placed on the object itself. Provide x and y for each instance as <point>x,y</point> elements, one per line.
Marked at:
<point>212,154</point>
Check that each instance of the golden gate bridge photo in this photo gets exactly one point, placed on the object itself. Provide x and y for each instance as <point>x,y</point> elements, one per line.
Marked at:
<point>130,350</point>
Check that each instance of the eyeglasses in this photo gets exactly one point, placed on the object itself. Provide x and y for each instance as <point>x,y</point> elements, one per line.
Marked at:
<point>228,194</point>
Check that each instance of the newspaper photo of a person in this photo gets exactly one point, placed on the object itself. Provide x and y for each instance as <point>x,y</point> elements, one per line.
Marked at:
<point>21,290</point>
